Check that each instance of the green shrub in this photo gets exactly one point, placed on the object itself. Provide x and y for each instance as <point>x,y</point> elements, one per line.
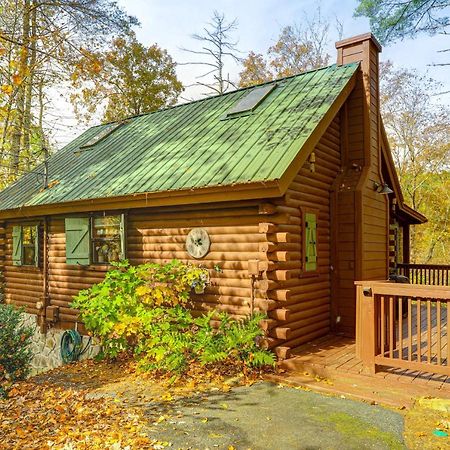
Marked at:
<point>144,310</point>
<point>15,353</point>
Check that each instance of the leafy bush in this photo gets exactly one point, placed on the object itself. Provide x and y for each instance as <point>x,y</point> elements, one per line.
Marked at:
<point>144,310</point>
<point>15,353</point>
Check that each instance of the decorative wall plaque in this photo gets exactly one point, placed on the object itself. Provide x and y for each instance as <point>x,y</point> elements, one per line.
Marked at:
<point>198,243</point>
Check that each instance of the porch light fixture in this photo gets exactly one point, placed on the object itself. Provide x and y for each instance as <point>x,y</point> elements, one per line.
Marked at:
<point>383,189</point>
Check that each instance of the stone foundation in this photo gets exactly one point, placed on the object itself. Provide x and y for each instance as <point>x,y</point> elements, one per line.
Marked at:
<point>46,347</point>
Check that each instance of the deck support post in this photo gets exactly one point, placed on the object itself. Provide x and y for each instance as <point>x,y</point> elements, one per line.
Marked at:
<point>366,326</point>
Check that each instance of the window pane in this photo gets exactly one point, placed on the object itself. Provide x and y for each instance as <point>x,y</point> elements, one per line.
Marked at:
<point>106,227</point>
<point>106,239</point>
<point>28,235</point>
<point>29,255</point>
<point>29,245</point>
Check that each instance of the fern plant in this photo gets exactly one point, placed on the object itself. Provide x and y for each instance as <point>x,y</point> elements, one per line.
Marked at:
<point>143,310</point>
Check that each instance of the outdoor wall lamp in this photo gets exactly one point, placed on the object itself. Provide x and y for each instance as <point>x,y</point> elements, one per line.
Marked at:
<point>383,189</point>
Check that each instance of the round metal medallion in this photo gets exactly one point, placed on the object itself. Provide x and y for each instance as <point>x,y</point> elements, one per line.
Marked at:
<point>197,243</point>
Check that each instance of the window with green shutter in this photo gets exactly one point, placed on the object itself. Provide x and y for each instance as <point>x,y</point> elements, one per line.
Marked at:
<point>25,245</point>
<point>99,239</point>
<point>77,240</point>
<point>310,242</point>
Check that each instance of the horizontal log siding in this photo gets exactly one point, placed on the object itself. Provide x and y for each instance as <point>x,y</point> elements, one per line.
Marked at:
<point>235,239</point>
<point>2,259</point>
<point>23,285</point>
<point>159,235</point>
<point>308,298</point>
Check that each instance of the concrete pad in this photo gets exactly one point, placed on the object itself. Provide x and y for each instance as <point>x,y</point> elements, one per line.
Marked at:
<point>265,416</point>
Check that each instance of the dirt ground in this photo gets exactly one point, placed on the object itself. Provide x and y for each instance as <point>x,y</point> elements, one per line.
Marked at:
<point>109,406</point>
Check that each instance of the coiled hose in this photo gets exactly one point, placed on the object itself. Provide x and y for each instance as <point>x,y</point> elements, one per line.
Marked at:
<point>72,346</point>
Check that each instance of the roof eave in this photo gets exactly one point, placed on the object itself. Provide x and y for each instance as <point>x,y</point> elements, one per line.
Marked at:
<point>235,192</point>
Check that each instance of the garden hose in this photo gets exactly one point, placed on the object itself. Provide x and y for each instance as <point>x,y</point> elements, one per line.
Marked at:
<point>72,346</point>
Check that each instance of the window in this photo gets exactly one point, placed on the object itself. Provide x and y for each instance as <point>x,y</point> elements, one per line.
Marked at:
<point>104,132</point>
<point>95,240</point>
<point>106,239</point>
<point>251,100</point>
<point>310,241</point>
<point>26,245</point>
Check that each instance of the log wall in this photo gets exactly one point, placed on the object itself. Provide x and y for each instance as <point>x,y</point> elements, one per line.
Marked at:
<point>23,285</point>
<point>159,235</point>
<point>306,297</point>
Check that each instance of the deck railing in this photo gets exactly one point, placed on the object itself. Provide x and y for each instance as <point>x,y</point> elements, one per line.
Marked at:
<point>403,326</point>
<point>430,274</point>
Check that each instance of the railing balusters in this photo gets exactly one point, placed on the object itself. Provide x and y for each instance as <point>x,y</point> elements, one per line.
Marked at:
<point>431,274</point>
<point>391,327</point>
<point>448,334</point>
<point>422,313</point>
<point>400,327</point>
<point>419,332</point>
<point>383,325</point>
<point>410,341</point>
<point>429,343</point>
<point>439,331</point>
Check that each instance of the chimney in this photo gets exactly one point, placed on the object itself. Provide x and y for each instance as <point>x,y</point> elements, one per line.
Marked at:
<point>365,49</point>
<point>361,128</point>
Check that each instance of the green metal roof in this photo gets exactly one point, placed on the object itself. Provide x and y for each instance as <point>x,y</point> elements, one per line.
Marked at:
<point>188,146</point>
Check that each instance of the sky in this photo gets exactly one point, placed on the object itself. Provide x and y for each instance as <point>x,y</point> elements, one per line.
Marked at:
<point>171,23</point>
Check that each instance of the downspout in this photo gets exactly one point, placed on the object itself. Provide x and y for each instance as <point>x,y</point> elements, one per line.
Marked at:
<point>45,298</point>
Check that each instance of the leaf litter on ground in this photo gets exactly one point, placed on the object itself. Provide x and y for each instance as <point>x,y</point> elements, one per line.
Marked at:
<point>103,405</point>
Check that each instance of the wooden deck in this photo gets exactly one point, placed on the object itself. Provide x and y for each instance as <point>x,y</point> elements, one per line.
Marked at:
<point>333,358</point>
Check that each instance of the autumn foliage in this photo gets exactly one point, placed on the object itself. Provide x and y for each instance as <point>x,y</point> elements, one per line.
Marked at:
<point>144,310</point>
<point>15,353</point>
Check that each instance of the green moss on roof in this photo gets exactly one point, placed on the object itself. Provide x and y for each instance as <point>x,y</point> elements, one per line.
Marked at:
<point>189,146</point>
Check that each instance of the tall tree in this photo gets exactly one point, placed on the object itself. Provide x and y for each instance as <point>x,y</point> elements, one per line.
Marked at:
<point>396,19</point>
<point>126,80</point>
<point>298,48</point>
<point>39,41</point>
<point>217,47</point>
<point>418,128</point>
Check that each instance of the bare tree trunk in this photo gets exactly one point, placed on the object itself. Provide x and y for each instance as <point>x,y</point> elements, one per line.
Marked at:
<point>16,140</point>
<point>29,83</point>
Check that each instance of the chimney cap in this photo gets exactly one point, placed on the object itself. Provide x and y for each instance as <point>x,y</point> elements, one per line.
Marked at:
<point>358,39</point>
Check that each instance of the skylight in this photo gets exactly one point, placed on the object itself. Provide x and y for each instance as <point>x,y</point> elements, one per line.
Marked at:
<point>104,132</point>
<point>251,100</point>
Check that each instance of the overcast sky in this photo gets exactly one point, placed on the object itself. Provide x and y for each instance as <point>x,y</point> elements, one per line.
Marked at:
<point>170,24</point>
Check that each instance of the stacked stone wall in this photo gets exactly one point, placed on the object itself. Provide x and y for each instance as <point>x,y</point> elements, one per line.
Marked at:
<point>46,347</point>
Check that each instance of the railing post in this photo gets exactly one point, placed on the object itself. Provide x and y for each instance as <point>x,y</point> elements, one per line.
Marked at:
<point>366,328</point>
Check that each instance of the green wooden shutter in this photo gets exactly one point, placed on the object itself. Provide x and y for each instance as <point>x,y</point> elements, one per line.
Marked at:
<point>310,242</point>
<point>36,245</point>
<point>122,236</point>
<point>17,245</point>
<point>77,240</point>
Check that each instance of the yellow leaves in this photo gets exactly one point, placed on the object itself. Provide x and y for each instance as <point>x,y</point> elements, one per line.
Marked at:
<point>7,89</point>
<point>161,419</point>
<point>167,397</point>
<point>49,416</point>
<point>142,290</point>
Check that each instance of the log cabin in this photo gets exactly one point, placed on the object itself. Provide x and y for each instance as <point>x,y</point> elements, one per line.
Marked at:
<point>286,191</point>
